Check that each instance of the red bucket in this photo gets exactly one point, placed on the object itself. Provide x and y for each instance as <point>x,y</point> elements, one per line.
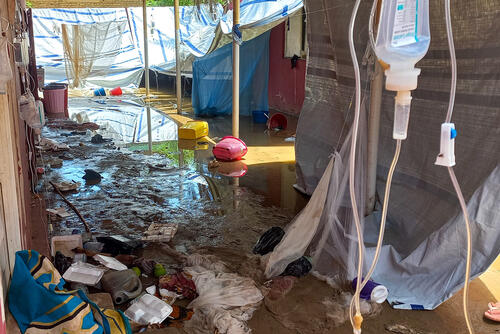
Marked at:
<point>54,101</point>
<point>277,121</point>
<point>116,91</point>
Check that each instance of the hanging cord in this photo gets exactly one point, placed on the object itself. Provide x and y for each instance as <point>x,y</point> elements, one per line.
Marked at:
<point>382,222</point>
<point>456,186</point>
<point>357,319</point>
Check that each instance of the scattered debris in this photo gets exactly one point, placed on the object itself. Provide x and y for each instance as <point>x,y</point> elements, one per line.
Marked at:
<point>123,285</point>
<point>117,244</point>
<point>87,228</point>
<point>298,268</point>
<point>92,177</point>
<point>72,125</point>
<point>66,156</point>
<point>60,212</point>
<point>159,270</point>
<point>65,244</point>
<point>102,299</point>
<point>181,283</point>
<point>126,259</point>
<point>280,286</point>
<point>93,246</point>
<point>290,139</point>
<point>225,302</point>
<point>55,163</point>
<point>148,309</point>
<point>67,186</point>
<point>169,297</point>
<point>110,262</point>
<point>147,266</point>
<point>151,290</point>
<point>178,316</point>
<point>47,144</point>
<point>213,164</point>
<point>98,139</point>
<point>137,271</point>
<point>402,329</point>
<point>61,262</point>
<point>160,232</point>
<point>270,239</point>
<point>84,273</point>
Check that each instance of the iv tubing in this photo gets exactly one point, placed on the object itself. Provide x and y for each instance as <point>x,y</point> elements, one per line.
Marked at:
<point>460,195</point>
<point>453,59</point>
<point>356,321</point>
<point>370,24</point>
<point>383,219</point>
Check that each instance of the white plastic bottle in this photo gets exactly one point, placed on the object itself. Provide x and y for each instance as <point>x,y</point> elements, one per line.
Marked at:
<point>403,39</point>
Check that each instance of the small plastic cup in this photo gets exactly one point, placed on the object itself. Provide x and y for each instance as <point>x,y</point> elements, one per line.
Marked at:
<point>116,91</point>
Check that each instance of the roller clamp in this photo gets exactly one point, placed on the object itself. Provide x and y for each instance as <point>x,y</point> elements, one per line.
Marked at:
<point>446,156</point>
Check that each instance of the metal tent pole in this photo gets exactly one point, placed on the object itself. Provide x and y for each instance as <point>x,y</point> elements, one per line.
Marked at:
<point>236,72</point>
<point>178,85</point>
<point>376,86</point>
<point>146,73</point>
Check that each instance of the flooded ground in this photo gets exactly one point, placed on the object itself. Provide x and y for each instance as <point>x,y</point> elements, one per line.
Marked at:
<point>216,213</point>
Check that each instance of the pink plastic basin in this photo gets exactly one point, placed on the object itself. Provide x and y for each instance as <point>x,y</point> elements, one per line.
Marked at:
<point>229,149</point>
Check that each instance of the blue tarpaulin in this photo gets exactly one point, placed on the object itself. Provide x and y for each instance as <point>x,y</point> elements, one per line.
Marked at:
<point>212,79</point>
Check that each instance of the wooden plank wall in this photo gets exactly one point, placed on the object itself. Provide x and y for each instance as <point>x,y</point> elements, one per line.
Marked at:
<point>12,208</point>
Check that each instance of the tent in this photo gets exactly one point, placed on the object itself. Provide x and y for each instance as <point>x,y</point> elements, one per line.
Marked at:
<point>423,255</point>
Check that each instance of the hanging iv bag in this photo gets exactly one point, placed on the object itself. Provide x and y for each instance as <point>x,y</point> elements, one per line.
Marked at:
<point>403,39</point>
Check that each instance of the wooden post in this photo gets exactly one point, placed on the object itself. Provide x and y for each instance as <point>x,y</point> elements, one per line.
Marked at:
<point>236,73</point>
<point>146,74</point>
<point>178,85</point>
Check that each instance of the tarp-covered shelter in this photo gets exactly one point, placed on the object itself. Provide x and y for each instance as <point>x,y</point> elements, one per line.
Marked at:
<point>212,74</point>
<point>120,60</point>
<point>423,255</point>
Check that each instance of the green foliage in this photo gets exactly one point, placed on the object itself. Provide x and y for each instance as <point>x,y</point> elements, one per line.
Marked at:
<point>168,3</point>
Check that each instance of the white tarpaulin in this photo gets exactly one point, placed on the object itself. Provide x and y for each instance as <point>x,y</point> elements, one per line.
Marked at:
<point>198,31</point>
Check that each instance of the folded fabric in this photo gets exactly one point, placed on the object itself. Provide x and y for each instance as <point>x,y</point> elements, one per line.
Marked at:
<point>40,304</point>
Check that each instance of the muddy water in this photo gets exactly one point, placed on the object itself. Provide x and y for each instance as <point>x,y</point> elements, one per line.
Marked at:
<point>176,186</point>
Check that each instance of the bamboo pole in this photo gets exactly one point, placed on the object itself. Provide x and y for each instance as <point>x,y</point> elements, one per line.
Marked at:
<point>146,74</point>
<point>236,73</point>
<point>178,85</point>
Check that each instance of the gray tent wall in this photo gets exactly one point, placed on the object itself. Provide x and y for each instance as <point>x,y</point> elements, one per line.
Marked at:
<point>423,259</point>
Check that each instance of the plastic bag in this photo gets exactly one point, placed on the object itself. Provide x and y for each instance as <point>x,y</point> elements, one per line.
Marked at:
<point>270,239</point>
<point>298,268</point>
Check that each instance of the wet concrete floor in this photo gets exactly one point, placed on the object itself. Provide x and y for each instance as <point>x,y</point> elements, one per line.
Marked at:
<point>218,214</point>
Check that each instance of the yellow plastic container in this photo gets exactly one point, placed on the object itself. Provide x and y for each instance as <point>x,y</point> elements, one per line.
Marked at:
<point>193,130</point>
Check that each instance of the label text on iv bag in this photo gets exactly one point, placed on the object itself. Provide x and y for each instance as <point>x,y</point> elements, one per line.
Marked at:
<point>405,23</point>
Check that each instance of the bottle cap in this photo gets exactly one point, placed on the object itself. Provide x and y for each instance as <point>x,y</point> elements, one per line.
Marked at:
<point>401,78</point>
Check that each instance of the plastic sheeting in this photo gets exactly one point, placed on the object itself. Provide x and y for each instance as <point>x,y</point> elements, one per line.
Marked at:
<point>212,93</point>
<point>197,31</point>
<point>423,258</point>
<point>201,31</point>
<point>124,121</point>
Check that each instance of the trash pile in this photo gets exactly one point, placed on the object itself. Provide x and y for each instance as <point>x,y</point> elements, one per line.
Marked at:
<point>103,275</point>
